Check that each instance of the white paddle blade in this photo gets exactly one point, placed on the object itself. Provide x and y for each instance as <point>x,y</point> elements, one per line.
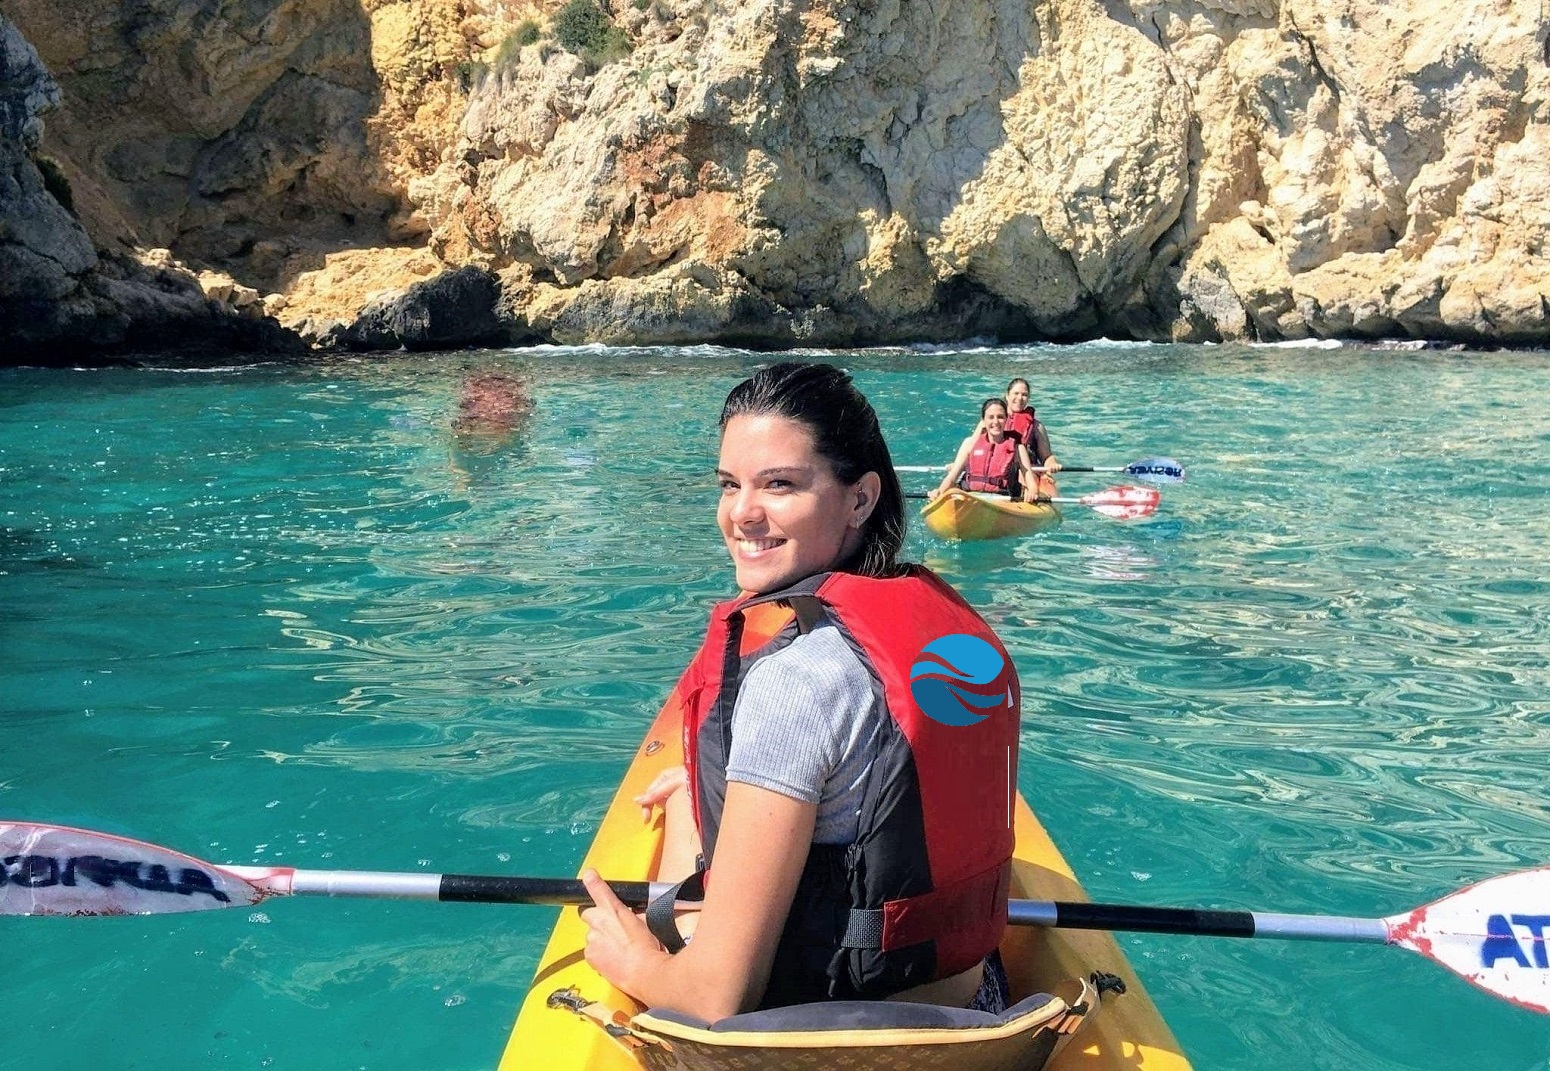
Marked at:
<point>1492,934</point>
<point>1156,470</point>
<point>1124,503</point>
<point>57,870</point>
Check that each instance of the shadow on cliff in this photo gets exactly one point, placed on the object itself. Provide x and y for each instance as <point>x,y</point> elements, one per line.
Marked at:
<point>241,137</point>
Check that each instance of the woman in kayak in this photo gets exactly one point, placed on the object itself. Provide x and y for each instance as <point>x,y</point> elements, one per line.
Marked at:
<point>1021,422</point>
<point>850,729</point>
<point>992,460</point>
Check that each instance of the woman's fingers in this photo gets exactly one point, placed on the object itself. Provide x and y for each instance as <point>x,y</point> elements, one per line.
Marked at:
<point>606,907</point>
<point>674,779</point>
<point>618,942</point>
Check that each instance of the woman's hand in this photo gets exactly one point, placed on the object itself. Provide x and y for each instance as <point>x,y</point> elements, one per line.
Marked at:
<point>1051,465</point>
<point>671,780</point>
<point>619,945</point>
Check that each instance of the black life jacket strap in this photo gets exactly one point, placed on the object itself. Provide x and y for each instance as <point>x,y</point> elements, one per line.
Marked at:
<point>659,913</point>
<point>863,928</point>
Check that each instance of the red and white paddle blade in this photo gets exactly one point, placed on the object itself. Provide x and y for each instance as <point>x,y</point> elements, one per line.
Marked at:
<point>57,870</point>
<point>1492,934</point>
<point>1125,502</point>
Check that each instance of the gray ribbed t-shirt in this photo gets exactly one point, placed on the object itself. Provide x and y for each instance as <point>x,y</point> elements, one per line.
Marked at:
<point>804,726</point>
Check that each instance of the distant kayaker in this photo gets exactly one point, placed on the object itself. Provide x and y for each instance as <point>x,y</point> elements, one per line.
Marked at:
<point>1022,422</point>
<point>851,731</point>
<point>993,460</point>
<point>493,409</point>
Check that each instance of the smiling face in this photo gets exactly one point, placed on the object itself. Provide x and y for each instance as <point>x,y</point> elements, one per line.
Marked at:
<point>994,417</point>
<point>1017,396</point>
<point>783,513</point>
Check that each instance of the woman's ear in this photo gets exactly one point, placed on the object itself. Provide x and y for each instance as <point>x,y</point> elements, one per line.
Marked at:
<point>866,490</point>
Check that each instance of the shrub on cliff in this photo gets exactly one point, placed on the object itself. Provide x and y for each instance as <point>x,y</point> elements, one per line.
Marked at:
<point>510,49</point>
<point>583,28</point>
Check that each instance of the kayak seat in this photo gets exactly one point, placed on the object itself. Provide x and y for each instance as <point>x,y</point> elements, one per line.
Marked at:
<point>856,1035</point>
<point>855,1015</point>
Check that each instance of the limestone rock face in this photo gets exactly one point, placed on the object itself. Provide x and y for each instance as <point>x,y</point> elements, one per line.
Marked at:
<point>1232,169</point>
<point>456,308</point>
<point>42,246</point>
<point>60,300</point>
<point>1364,169</point>
<point>783,172</point>
<point>877,173</point>
<point>252,136</point>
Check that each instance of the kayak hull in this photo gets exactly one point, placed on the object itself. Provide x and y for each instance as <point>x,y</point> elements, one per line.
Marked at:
<point>1127,1034</point>
<point>963,515</point>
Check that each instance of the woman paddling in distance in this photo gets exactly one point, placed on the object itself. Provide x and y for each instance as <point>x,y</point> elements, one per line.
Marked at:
<point>992,460</point>
<point>857,845</point>
<point>1021,422</point>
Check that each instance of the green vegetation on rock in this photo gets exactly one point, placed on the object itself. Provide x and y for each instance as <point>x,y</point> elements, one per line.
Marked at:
<point>585,29</point>
<point>510,49</point>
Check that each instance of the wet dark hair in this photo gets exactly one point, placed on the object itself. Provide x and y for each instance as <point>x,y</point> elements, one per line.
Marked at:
<point>845,434</point>
<point>1015,382</point>
<point>988,402</point>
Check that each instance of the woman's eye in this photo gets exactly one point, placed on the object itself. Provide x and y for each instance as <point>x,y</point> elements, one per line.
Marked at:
<point>727,486</point>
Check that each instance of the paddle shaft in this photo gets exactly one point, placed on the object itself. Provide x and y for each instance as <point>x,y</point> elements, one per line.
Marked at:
<point>1178,920</point>
<point>459,888</point>
<point>473,888</point>
<point>1493,933</point>
<point>1151,469</point>
<point>1038,501</point>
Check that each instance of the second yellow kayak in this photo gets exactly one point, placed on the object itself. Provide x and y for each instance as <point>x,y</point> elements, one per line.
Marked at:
<point>966,515</point>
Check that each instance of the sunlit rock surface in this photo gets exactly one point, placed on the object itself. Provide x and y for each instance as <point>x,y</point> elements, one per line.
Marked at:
<point>778,173</point>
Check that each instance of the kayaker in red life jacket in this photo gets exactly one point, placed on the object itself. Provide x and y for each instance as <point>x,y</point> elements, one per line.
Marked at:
<point>857,846</point>
<point>992,460</point>
<point>1021,422</point>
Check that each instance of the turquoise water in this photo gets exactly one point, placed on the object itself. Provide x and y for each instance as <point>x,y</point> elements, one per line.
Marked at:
<point>285,615</point>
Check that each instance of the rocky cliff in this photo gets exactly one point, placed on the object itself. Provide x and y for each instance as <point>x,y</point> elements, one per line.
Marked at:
<point>781,172</point>
<point>62,299</point>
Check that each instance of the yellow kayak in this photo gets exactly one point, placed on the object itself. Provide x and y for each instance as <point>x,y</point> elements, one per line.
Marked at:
<point>1127,1034</point>
<point>966,515</point>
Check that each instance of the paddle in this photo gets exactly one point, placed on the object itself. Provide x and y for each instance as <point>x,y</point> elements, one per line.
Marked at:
<point>1151,469</point>
<point>1492,933</point>
<point>1123,502</point>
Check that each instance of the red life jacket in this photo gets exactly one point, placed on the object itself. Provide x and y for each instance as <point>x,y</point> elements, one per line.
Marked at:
<point>921,893</point>
<point>992,466</point>
<point>1021,425</point>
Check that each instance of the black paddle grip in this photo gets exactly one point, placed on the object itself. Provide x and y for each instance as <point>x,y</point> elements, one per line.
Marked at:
<point>1155,919</point>
<point>478,889</point>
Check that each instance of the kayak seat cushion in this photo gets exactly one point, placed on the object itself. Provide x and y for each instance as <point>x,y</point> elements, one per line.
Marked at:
<point>857,1035</point>
<point>847,1015</point>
